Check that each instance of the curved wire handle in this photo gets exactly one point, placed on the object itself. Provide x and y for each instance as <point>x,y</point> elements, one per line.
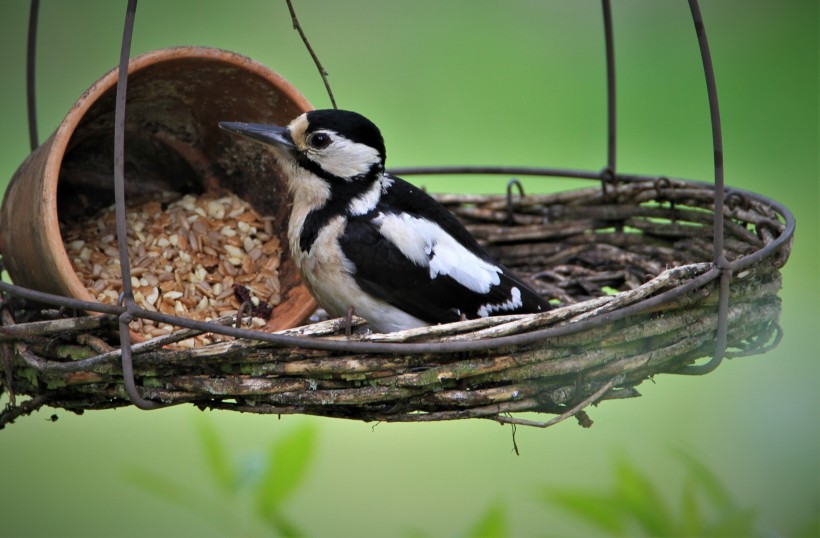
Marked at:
<point>718,258</point>
<point>609,173</point>
<point>31,97</point>
<point>131,306</point>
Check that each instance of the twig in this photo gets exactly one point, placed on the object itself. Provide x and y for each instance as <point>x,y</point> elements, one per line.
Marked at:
<point>94,342</point>
<point>589,401</point>
<point>442,330</point>
<point>323,328</point>
<point>322,72</point>
<point>8,371</point>
<point>515,445</point>
<point>12,412</point>
<point>56,326</point>
<point>668,278</point>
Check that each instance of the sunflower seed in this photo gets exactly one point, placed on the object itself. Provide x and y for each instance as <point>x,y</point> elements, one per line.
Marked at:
<point>185,258</point>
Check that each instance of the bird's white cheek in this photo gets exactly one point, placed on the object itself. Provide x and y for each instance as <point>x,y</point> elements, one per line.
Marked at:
<point>346,159</point>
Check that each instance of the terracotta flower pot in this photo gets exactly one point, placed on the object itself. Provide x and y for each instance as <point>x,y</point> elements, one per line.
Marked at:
<point>176,97</point>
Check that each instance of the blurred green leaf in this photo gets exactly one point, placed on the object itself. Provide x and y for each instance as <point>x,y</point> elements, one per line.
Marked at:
<point>491,524</point>
<point>733,523</point>
<point>282,525</point>
<point>809,529</point>
<point>182,496</point>
<point>599,510</point>
<point>215,456</point>
<point>691,517</point>
<point>636,495</point>
<point>634,504</point>
<point>288,461</point>
<point>285,465</point>
<point>706,480</point>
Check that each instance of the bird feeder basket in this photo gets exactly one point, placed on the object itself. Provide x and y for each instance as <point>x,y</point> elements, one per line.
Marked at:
<point>652,274</point>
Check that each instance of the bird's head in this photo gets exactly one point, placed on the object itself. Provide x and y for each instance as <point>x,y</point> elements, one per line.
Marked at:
<point>336,145</point>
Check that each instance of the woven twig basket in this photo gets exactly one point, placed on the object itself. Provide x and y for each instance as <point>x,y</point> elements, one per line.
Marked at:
<point>630,267</point>
<point>644,283</point>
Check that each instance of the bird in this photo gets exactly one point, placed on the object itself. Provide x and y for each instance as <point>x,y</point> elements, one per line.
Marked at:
<point>369,242</point>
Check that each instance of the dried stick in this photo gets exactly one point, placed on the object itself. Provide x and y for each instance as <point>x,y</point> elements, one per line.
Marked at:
<point>10,331</point>
<point>322,72</point>
<point>668,278</point>
<point>574,411</point>
<point>12,412</point>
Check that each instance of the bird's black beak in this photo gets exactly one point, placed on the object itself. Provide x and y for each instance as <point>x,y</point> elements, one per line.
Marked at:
<point>267,134</point>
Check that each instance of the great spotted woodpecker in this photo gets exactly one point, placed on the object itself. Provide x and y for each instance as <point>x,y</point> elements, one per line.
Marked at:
<point>367,240</point>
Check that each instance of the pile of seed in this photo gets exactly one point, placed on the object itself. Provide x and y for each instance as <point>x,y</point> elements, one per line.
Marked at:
<point>198,257</point>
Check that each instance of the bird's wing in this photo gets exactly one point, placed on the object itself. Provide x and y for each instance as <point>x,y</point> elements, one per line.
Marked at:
<point>414,264</point>
<point>408,198</point>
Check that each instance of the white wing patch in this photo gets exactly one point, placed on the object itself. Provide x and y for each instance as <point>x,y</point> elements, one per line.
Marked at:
<point>513,303</point>
<point>427,245</point>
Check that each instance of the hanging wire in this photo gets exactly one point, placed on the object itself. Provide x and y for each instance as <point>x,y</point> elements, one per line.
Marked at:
<point>127,297</point>
<point>119,150</point>
<point>610,171</point>
<point>31,96</point>
<point>608,174</point>
<point>322,72</point>
<point>719,259</point>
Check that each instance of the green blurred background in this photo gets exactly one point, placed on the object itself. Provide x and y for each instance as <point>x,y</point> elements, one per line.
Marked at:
<point>468,82</point>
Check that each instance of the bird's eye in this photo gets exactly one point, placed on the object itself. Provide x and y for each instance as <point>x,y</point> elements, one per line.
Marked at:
<point>319,140</point>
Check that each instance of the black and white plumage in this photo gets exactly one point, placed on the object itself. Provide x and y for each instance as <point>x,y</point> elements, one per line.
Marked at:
<point>366,239</point>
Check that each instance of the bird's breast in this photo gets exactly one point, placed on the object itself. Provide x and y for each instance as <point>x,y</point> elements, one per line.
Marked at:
<point>323,266</point>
